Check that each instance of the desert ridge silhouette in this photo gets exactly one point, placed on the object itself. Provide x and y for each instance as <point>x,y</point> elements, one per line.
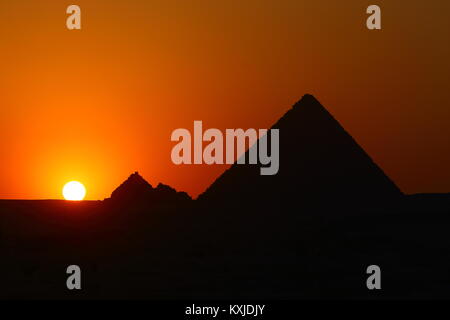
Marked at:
<point>320,164</point>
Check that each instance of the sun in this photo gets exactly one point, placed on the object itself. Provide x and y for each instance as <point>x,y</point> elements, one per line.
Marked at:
<point>74,191</point>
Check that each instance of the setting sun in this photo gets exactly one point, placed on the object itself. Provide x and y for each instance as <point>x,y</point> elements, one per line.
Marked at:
<point>74,190</point>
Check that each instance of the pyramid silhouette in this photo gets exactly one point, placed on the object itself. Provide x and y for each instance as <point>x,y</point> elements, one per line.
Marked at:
<point>320,165</point>
<point>134,187</point>
<point>137,189</point>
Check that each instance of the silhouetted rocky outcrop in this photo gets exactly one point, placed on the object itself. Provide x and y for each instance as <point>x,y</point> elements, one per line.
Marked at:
<point>320,164</point>
<point>137,190</point>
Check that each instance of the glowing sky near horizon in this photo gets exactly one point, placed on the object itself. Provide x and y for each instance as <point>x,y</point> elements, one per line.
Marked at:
<point>98,104</point>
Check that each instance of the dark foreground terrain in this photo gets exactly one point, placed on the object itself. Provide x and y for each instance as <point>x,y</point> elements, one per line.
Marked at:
<point>168,253</point>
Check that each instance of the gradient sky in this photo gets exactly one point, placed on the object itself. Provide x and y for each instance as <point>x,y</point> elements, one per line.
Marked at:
<point>98,104</point>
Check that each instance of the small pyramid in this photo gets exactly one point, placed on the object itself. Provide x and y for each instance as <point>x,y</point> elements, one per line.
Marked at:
<point>320,164</point>
<point>137,189</point>
<point>134,187</point>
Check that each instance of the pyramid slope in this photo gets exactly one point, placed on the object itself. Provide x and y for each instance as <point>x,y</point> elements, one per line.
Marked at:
<point>320,163</point>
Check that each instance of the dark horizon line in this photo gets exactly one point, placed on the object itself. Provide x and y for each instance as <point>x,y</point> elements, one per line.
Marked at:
<point>98,200</point>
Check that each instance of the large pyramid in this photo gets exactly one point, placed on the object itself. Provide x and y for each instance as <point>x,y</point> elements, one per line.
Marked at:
<point>320,164</point>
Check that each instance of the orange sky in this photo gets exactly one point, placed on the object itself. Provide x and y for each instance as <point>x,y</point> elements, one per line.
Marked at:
<point>98,104</point>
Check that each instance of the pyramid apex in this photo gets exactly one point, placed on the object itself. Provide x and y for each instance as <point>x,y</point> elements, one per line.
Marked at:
<point>307,99</point>
<point>308,96</point>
